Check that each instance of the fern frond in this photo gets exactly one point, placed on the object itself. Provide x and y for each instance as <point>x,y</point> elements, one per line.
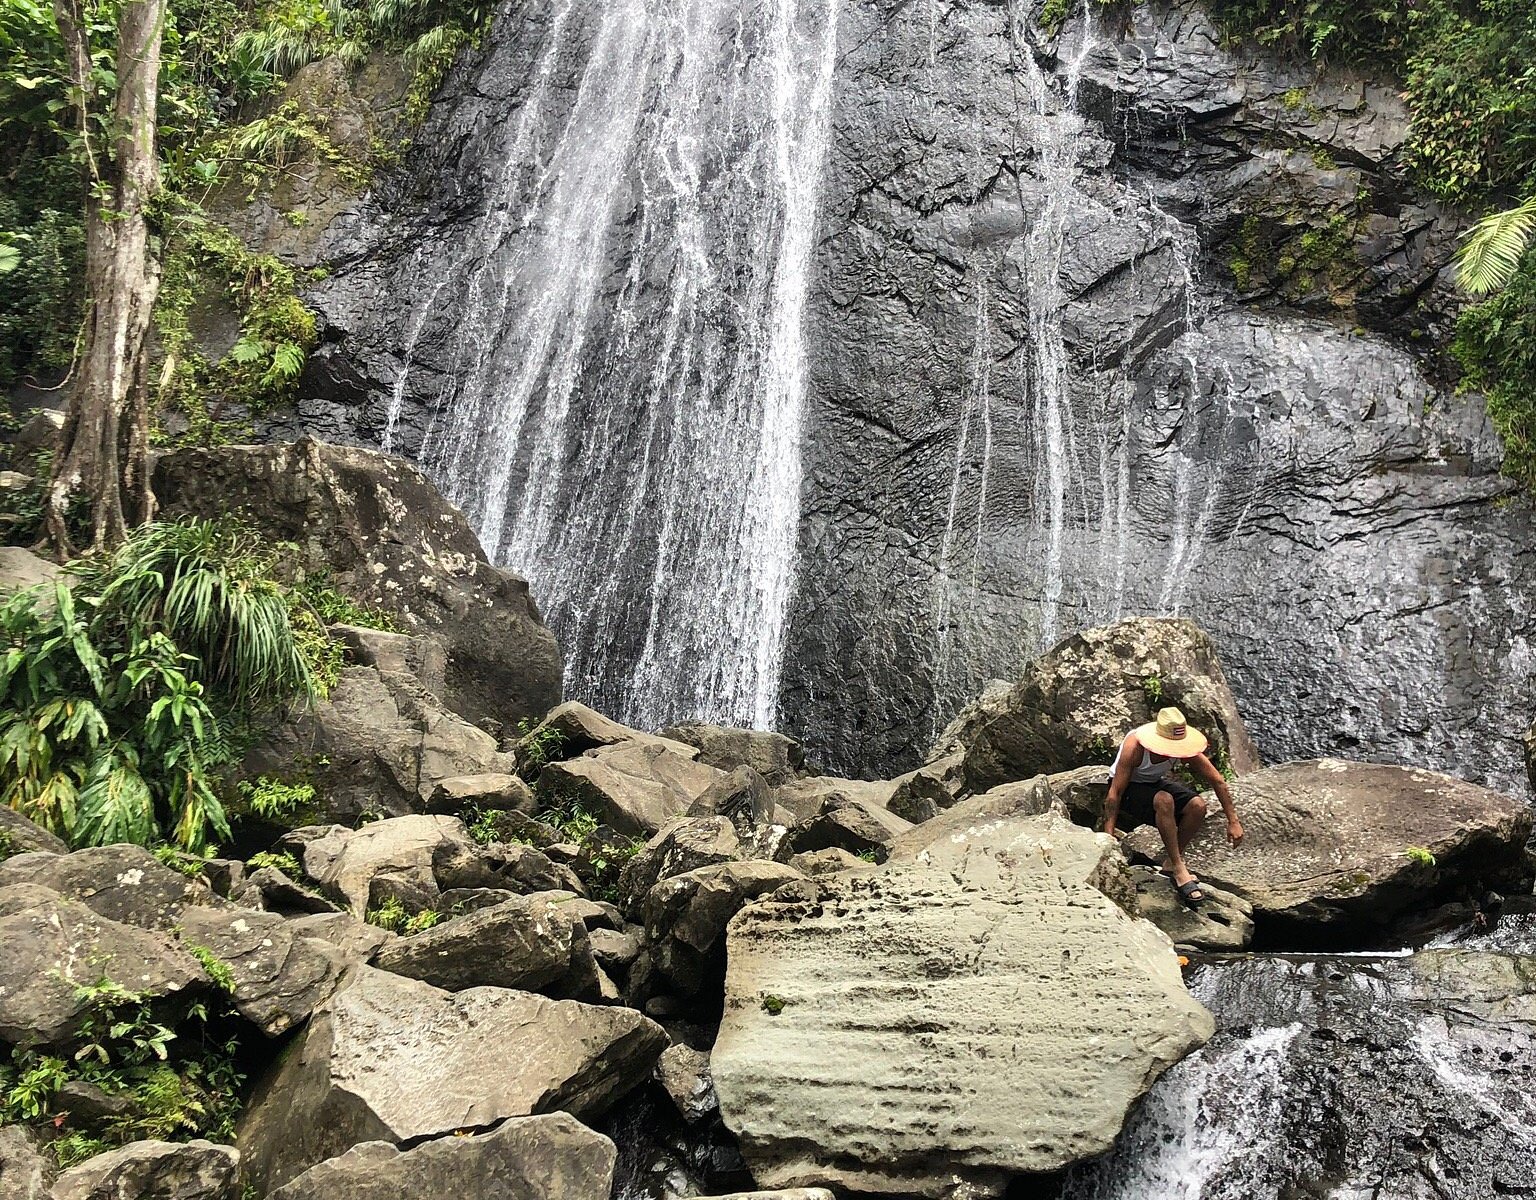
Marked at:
<point>1490,252</point>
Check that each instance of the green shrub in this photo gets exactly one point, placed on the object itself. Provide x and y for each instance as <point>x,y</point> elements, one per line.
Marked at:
<point>120,700</point>
<point>173,1083</point>
<point>1496,347</point>
<point>284,862</point>
<point>276,801</point>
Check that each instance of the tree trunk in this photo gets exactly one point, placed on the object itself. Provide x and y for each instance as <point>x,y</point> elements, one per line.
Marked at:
<point>103,448</point>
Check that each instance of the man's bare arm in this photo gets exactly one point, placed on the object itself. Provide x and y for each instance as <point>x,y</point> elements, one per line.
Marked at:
<point>1206,769</point>
<point>1130,752</point>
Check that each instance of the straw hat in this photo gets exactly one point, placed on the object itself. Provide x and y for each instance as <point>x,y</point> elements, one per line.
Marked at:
<point>1170,734</point>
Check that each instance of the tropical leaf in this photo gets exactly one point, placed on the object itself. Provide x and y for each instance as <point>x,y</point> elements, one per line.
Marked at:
<point>1490,252</point>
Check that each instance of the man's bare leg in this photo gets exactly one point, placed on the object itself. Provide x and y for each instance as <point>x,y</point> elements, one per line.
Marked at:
<point>1169,827</point>
<point>1190,822</point>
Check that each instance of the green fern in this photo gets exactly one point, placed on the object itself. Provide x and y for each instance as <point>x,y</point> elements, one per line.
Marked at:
<point>1491,250</point>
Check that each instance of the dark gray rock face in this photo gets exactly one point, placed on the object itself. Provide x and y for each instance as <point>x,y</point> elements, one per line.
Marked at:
<point>18,835</point>
<point>1089,328</point>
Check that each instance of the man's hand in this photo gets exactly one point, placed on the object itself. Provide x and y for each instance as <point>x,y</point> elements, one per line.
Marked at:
<point>1234,831</point>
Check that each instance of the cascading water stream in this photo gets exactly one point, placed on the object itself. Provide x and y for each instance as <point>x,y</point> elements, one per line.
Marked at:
<point>1054,130</point>
<point>627,368</point>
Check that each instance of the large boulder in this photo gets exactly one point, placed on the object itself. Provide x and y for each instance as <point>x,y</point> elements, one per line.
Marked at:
<point>571,729</point>
<point>55,946</point>
<point>1074,705</point>
<point>993,973</point>
<point>1077,794</point>
<point>380,744</point>
<point>805,798</point>
<point>394,1059</point>
<point>526,942</point>
<point>197,1170</point>
<point>18,835</point>
<point>857,826</point>
<point>1221,923</point>
<point>775,757</point>
<point>1341,850</point>
<point>635,787</point>
<point>411,850</point>
<point>122,883</point>
<point>379,528</point>
<point>685,918</point>
<point>552,1157</point>
<point>21,570</point>
<point>278,976</point>
<point>26,1171</point>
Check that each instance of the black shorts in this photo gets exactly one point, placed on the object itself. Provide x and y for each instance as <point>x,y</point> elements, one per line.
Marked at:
<point>1136,807</point>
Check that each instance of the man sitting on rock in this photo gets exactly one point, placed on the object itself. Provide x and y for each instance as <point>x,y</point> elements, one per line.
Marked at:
<point>1139,781</point>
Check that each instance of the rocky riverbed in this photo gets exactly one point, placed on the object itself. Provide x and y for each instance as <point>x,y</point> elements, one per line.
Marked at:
<point>515,948</point>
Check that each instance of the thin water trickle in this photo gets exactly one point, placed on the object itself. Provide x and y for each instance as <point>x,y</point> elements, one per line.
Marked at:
<point>627,358</point>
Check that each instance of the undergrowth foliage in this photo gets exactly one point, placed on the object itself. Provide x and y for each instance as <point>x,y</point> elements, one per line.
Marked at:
<point>127,688</point>
<point>1469,76</point>
<point>172,1076</point>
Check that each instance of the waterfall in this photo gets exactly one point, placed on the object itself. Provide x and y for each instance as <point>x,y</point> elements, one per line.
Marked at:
<point>1054,129</point>
<point>627,371</point>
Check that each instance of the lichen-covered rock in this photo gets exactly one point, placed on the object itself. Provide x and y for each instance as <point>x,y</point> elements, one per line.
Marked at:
<point>1340,850</point>
<point>571,729</point>
<point>153,1170</point>
<point>1074,705</point>
<point>685,917</point>
<point>26,1173</point>
<point>55,946</point>
<point>379,744</point>
<point>805,798</point>
<point>858,826</point>
<point>486,791</point>
<point>345,862</point>
<point>551,1157</point>
<point>122,883</point>
<point>847,1013</point>
<point>1220,923</point>
<point>634,787</point>
<point>387,537</point>
<point>394,1059</point>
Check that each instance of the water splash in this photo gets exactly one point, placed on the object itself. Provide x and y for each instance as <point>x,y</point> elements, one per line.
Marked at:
<point>628,365</point>
<point>1201,1133</point>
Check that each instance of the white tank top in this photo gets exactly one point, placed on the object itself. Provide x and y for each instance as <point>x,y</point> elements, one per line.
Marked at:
<point>1146,771</point>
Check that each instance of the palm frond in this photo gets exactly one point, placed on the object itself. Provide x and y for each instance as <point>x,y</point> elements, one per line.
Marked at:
<point>1490,253</point>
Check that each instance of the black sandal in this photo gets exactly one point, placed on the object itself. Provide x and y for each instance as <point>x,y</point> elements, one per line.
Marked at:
<point>1191,893</point>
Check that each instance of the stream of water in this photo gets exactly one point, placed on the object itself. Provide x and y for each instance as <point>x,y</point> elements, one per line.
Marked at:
<point>647,242</point>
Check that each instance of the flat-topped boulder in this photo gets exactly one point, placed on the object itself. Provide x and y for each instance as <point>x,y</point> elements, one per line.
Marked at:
<point>635,787</point>
<point>122,883</point>
<point>377,527</point>
<point>397,1060</point>
<point>571,729</point>
<point>345,862</point>
<point>934,1027</point>
<point>1073,705</point>
<point>774,756</point>
<point>1339,850</point>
